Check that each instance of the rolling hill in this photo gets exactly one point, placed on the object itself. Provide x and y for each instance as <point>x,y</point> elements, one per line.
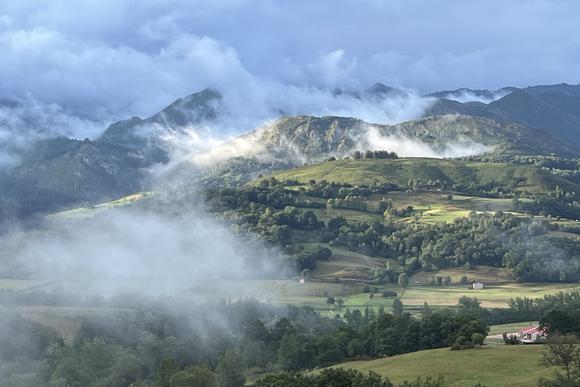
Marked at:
<point>538,120</point>
<point>498,366</point>
<point>365,172</point>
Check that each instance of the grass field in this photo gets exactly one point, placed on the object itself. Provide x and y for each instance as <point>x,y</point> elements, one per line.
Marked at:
<point>492,366</point>
<point>492,296</point>
<point>87,212</point>
<point>346,264</point>
<point>429,207</point>
<point>485,274</point>
<point>65,320</point>
<point>399,171</point>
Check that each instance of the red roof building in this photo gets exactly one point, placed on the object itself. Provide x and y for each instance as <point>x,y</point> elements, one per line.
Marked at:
<point>532,334</point>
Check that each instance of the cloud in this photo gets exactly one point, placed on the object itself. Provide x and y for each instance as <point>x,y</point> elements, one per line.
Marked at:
<point>133,56</point>
<point>24,121</point>
<point>464,95</point>
<point>407,147</point>
<point>134,250</point>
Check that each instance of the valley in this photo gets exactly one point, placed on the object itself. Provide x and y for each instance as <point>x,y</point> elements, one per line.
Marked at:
<point>316,247</point>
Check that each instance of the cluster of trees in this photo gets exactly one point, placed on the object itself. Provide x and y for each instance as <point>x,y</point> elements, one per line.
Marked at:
<point>357,203</point>
<point>173,345</point>
<point>549,205</point>
<point>440,280</point>
<point>499,240</point>
<point>342,377</point>
<point>416,184</point>
<point>369,154</point>
<point>568,168</point>
<point>326,190</point>
<point>306,258</point>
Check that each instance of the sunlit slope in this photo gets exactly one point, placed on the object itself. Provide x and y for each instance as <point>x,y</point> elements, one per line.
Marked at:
<point>458,173</point>
<point>497,366</point>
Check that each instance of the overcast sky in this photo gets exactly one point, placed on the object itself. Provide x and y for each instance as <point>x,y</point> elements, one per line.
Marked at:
<point>134,56</point>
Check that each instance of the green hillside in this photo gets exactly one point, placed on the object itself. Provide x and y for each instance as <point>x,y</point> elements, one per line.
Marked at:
<point>496,366</point>
<point>399,171</point>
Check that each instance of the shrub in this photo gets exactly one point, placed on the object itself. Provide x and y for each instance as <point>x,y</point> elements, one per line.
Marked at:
<point>477,338</point>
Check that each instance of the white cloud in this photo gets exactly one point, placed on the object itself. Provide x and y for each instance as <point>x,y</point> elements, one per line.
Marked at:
<point>137,251</point>
<point>407,147</point>
<point>133,56</point>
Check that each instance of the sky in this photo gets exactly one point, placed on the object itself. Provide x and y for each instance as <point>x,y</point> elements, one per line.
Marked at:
<point>117,58</point>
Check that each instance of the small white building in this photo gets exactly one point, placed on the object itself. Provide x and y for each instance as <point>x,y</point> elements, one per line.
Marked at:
<point>477,285</point>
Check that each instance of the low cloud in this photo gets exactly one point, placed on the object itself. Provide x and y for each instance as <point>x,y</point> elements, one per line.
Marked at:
<point>129,250</point>
<point>407,147</point>
<point>24,121</point>
<point>484,96</point>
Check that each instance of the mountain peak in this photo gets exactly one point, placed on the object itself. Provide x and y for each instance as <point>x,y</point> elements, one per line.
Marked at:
<point>379,90</point>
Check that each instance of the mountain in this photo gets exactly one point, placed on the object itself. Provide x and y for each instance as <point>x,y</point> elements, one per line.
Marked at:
<point>309,138</point>
<point>375,92</point>
<point>379,91</point>
<point>59,172</point>
<point>554,110</point>
<point>561,88</point>
<point>537,120</point>
<point>472,95</point>
<point>147,134</point>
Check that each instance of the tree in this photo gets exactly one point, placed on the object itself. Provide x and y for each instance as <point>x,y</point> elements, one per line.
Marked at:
<point>403,280</point>
<point>477,338</point>
<point>330,300</point>
<point>284,380</point>
<point>563,352</point>
<point>357,155</point>
<point>466,302</point>
<point>167,368</point>
<point>289,353</point>
<point>426,310</point>
<point>561,322</point>
<point>194,377</point>
<point>340,302</point>
<point>397,307</point>
<point>230,369</point>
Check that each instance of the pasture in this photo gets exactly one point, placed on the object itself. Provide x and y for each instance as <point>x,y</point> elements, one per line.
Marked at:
<point>498,366</point>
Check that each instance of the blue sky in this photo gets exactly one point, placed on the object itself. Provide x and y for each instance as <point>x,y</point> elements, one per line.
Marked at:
<point>125,57</point>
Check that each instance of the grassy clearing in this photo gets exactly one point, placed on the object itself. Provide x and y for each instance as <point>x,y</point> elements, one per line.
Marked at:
<point>399,171</point>
<point>442,213</point>
<point>87,212</point>
<point>495,296</point>
<point>21,284</point>
<point>65,320</point>
<point>485,274</point>
<point>498,366</point>
<point>325,214</point>
<point>346,264</point>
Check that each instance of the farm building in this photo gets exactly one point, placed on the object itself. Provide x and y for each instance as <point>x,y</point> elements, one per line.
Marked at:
<point>477,285</point>
<point>531,335</point>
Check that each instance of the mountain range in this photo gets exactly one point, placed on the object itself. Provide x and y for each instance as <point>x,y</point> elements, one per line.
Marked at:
<point>55,173</point>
